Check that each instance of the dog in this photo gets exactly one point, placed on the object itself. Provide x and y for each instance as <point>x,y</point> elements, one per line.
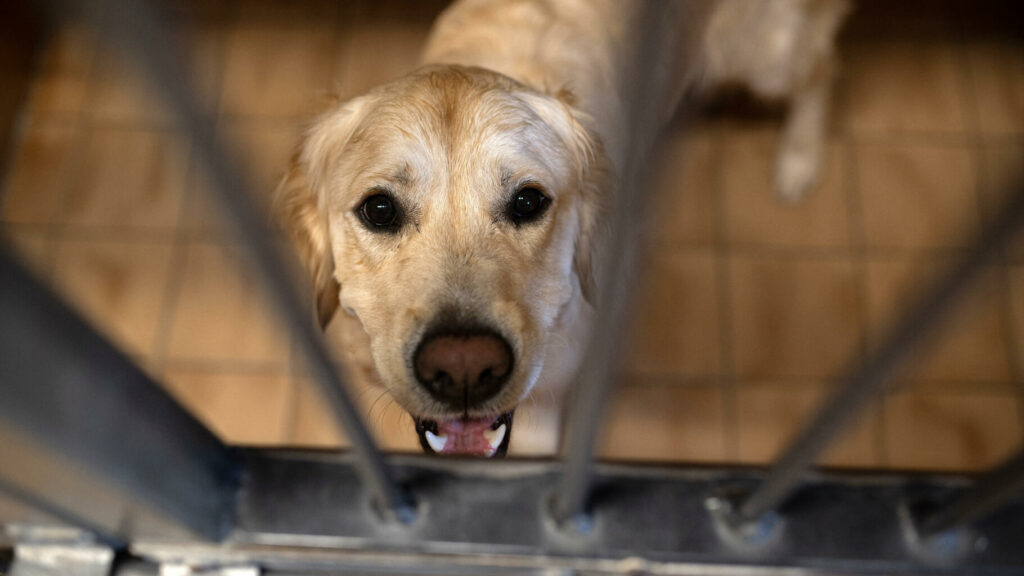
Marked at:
<point>455,215</point>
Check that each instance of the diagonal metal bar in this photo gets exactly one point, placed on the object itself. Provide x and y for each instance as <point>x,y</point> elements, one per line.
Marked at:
<point>89,440</point>
<point>132,25</point>
<point>861,383</point>
<point>987,494</point>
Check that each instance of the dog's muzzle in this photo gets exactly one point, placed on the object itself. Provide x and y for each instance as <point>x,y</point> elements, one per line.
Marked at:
<point>463,365</point>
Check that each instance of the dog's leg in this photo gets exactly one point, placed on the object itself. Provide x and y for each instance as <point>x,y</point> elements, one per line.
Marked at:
<point>802,148</point>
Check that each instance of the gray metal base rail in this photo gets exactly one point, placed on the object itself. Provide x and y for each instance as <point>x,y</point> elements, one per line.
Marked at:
<point>305,511</point>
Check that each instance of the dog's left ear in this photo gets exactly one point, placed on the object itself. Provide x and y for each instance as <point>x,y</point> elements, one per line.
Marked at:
<point>586,152</point>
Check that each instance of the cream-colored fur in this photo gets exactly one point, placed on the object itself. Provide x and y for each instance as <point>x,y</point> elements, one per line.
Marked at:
<point>515,92</point>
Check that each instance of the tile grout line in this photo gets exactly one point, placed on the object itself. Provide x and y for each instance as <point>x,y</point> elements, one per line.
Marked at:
<point>726,369</point>
<point>248,367</point>
<point>81,132</point>
<point>857,240</point>
<point>42,267</point>
<point>185,237</point>
<point>952,387</point>
<point>166,235</point>
<point>295,373</point>
<point>24,120</point>
<point>182,238</point>
<point>972,111</point>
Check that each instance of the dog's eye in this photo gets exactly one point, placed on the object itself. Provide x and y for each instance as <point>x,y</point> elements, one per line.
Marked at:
<point>380,211</point>
<point>527,204</point>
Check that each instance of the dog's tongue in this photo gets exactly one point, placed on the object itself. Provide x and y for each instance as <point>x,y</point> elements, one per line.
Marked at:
<point>467,437</point>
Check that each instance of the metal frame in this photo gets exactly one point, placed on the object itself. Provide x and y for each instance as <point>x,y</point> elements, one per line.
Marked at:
<point>97,459</point>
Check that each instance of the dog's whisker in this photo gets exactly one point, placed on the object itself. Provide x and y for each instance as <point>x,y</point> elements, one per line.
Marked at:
<point>384,393</point>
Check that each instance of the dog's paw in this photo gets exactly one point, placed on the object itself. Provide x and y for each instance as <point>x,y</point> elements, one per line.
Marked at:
<point>796,174</point>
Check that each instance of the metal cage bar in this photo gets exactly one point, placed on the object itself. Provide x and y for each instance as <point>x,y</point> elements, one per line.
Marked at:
<point>988,494</point>
<point>597,372</point>
<point>136,30</point>
<point>863,383</point>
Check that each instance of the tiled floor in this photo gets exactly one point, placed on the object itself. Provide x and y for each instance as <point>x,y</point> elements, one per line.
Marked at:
<point>749,305</point>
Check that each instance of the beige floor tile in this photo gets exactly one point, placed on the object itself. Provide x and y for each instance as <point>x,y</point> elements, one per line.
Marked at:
<point>1002,171</point>
<point>38,170</point>
<point>121,92</point>
<point>31,248</point>
<point>62,76</point>
<point>997,71</point>
<point>129,178</point>
<point>664,422</point>
<point>537,427</point>
<point>1016,281</point>
<point>793,317</point>
<point>951,431</point>
<point>676,329</point>
<point>917,196</point>
<point>205,50</point>
<point>241,408</point>
<point>970,350</point>
<point>264,152</point>
<point>771,413</point>
<point>683,188</point>
<point>896,87</point>
<point>222,312</point>
<point>374,52</point>
<point>277,69</point>
<point>754,212</point>
<point>312,424</point>
<point>119,287</point>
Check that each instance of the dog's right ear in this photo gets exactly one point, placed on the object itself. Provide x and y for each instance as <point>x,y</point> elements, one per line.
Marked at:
<point>299,200</point>
<point>297,208</point>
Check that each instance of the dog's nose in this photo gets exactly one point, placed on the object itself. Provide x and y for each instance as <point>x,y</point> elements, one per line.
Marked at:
<point>463,371</point>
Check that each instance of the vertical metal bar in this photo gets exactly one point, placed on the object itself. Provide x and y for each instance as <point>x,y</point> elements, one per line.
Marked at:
<point>593,383</point>
<point>987,494</point>
<point>861,384</point>
<point>133,26</point>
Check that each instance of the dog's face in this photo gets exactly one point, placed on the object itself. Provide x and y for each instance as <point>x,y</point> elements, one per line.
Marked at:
<point>455,209</point>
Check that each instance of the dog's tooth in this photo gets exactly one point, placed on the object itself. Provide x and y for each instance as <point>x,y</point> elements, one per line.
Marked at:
<point>494,437</point>
<point>436,442</point>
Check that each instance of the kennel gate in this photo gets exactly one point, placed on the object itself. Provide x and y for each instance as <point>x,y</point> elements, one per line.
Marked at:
<point>102,473</point>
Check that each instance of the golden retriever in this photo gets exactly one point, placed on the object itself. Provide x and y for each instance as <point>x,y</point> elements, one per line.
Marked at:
<point>454,213</point>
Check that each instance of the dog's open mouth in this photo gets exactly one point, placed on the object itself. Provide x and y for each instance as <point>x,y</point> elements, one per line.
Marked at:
<point>485,437</point>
